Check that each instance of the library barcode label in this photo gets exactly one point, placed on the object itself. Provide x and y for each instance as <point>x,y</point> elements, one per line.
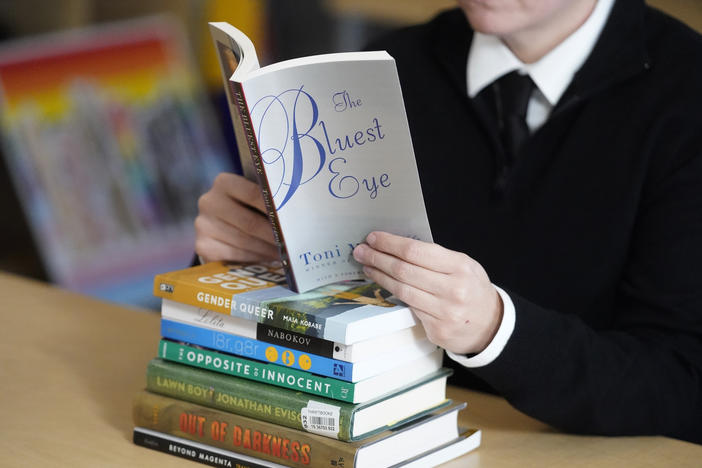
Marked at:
<point>321,418</point>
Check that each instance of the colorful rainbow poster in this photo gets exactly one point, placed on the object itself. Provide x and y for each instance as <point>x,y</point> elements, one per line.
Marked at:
<point>109,141</point>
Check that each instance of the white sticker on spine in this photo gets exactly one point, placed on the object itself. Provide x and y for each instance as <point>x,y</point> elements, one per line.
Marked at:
<point>321,418</point>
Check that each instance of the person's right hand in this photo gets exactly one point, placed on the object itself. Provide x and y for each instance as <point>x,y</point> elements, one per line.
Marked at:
<point>231,223</point>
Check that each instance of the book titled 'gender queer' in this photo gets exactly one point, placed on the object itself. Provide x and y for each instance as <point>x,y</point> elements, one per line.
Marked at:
<point>326,138</point>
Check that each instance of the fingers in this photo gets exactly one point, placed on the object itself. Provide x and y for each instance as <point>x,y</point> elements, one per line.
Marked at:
<point>248,221</point>
<point>401,270</point>
<point>423,254</point>
<point>423,265</point>
<point>432,325</point>
<point>231,222</point>
<point>450,293</point>
<point>222,202</point>
<point>414,297</point>
<point>241,189</point>
<point>226,234</point>
<point>213,250</point>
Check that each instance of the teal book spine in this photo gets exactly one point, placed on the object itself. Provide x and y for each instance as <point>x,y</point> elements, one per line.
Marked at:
<point>258,371</point>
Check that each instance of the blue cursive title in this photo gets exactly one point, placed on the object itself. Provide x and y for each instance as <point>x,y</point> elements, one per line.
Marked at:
<point>343,101</point>
<point>295,144</point>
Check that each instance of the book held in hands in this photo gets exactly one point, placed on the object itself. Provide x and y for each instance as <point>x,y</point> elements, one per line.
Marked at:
<point>326,138</point>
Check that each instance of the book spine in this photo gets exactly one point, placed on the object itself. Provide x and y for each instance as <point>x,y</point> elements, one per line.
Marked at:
<point>212,285</point>
<point>202,317</point>
<point>193,451</point>
<point>253,349</point>
<point>309,344</point>
<point>255,153</point>
<point>240,434</point>
<point>259,371</point>
<point>186,293</point>
<point>248,398</point>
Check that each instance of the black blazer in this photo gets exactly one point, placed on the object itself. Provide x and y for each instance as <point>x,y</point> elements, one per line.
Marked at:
<point>597,234</point>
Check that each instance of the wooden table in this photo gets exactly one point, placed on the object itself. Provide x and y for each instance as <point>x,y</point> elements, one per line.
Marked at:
<point>69,366</point>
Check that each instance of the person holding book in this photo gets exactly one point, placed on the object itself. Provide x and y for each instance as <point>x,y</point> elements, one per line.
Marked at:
<point>560,153</point>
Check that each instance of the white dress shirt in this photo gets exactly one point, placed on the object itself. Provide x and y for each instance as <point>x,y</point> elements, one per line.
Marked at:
<point>489,59</point>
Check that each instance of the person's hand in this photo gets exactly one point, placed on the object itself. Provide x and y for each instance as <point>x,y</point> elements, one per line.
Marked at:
<point>448,291</point>
<point>231,223</point>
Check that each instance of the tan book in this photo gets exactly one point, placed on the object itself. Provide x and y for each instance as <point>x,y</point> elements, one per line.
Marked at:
<point>288,446</point>
<point>206,454</point>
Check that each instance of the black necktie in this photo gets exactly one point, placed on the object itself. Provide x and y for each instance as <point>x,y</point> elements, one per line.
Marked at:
<point>512,92</point>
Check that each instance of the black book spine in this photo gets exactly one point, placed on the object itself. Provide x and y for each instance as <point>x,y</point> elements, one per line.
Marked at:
<point>306,343</point>
<point>190,451</point>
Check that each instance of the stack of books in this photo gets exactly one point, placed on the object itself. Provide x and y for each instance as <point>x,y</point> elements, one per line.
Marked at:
<point>249,373</point>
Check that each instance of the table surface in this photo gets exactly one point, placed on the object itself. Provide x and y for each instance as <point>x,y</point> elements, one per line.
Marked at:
<point>70,364</point>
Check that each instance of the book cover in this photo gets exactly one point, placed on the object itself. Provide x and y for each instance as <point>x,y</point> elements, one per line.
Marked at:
<point>296,409</point>
<point>281,376</point>
<point>346,312</point>
<point>331,149</point>
<point>395,342</point>
<point>267,352</point>
<point>288,446</point>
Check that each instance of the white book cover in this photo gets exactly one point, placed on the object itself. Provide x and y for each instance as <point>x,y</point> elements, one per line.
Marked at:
<point>329,139</point>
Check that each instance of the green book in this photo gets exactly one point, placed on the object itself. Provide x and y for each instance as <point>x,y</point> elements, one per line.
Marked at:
<point>281,376</point>
<point>324,416</point>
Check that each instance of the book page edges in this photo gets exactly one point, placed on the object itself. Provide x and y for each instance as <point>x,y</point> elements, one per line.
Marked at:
<point>226,33</point>
<point>378,55</point>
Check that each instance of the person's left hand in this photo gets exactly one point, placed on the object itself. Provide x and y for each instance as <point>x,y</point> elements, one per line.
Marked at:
<point>449,292</point>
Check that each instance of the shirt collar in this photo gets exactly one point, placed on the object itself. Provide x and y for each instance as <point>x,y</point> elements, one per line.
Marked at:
<point>489,58</point>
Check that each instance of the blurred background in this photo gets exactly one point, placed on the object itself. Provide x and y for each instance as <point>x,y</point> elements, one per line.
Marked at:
<point>114,121</point>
